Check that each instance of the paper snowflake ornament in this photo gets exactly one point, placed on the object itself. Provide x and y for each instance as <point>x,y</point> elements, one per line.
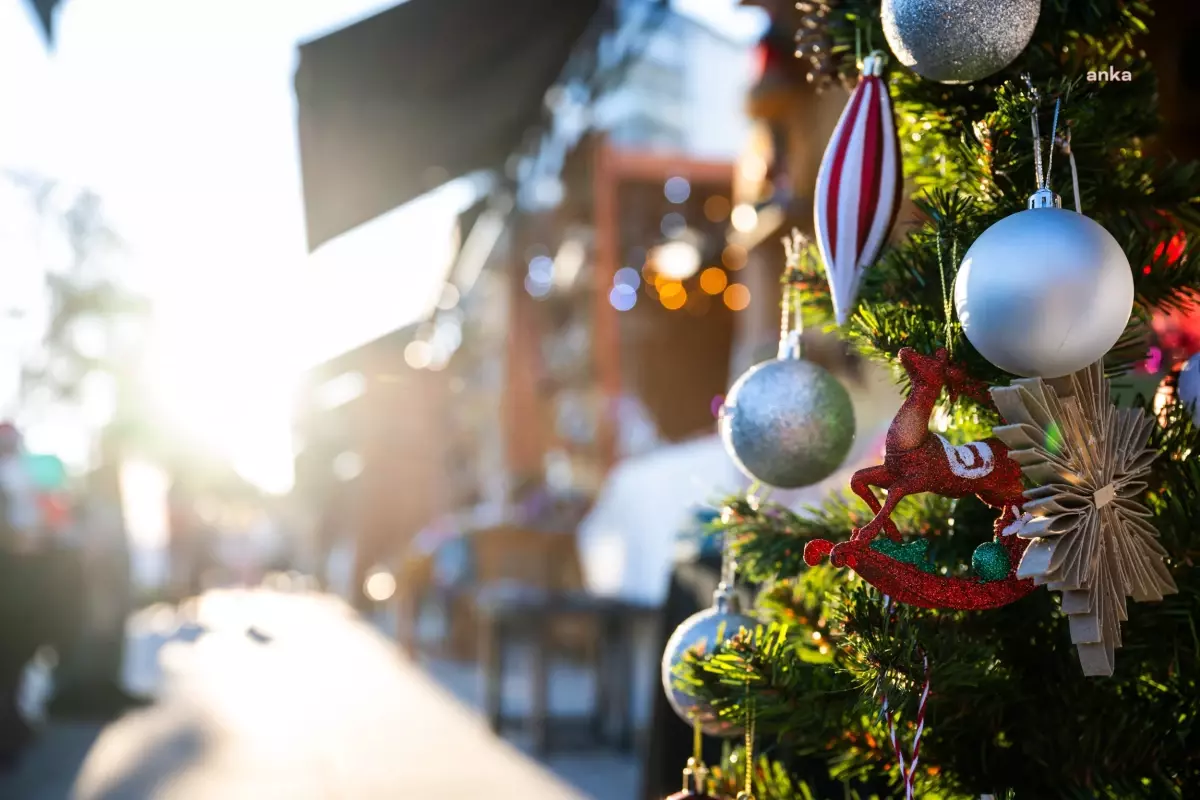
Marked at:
<point>1091,538</point>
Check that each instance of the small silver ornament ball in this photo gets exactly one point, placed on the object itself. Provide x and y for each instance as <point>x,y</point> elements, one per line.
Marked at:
<point>788,423</point>
<point>1187,387</point>
<point>706,629</point>
<point>958,41</point>
<point>1044,292</point>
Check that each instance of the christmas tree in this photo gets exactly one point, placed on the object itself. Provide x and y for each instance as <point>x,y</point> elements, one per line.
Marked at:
<point>849,667</point>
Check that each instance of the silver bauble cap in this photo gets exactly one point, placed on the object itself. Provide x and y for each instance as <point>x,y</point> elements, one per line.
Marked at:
<point>1044,198</point>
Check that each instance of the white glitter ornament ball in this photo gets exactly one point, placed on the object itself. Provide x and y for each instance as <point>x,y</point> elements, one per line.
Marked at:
<point>1044,292</point>
<point>788,423</point>
<point>958,41</point>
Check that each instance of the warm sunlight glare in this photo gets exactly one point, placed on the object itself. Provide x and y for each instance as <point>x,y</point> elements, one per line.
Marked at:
<point>144,498</point>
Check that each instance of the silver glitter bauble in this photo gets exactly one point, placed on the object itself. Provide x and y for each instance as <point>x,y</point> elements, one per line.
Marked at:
<point>958,41</point>
<point>788,423</point>
<point>1044,292</point>
<point>703,629</point>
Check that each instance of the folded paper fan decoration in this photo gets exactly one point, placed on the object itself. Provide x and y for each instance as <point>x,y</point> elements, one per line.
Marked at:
<point>858,187</point>
<point>1091,535</point>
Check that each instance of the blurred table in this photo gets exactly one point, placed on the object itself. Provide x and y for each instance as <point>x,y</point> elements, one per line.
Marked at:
<point>507,621</point>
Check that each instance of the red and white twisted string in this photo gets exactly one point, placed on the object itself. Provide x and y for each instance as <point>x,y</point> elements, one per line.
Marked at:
<point>908,773</point>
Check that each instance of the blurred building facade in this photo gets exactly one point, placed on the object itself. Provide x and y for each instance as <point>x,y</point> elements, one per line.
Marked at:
<point>558,348</point>
<point>683,94</point>
<point>371,440</point>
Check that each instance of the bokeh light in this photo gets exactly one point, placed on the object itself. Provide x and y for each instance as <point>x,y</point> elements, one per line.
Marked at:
<point>674,299</point>
<point>716,405</point>
<point>380,585</point>
<point>677,260</point>
<point>535,287</point>
<point>744,218</point>
<point>753,167</point>
<point>716,209</point>
<point>418,354</point>
<point>677,189</point>
<point>541,269</point>
<point>673,224</point>
<point>450,297</point>
<point>627,276</point>
<point>667,287</point>
<point>713,280</point>
<point>734,257</point>
<point>622,297</point>
<point>737,297</point>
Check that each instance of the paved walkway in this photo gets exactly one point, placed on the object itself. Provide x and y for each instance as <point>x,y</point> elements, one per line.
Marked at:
<point>279,696</point>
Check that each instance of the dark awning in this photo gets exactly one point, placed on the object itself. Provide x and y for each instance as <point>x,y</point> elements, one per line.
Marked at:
<point>428,91</point>
<point>44,9</point>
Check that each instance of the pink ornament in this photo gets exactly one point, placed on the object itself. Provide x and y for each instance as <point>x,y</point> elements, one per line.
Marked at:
<point>858,187</point>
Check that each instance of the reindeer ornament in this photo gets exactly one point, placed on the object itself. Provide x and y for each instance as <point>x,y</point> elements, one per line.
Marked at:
<point>918,460</point>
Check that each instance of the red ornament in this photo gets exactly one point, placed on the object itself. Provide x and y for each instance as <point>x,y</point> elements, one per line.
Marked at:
<point>917,460</point>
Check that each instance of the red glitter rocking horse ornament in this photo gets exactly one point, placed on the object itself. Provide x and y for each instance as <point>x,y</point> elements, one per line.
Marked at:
<point>918,460</point>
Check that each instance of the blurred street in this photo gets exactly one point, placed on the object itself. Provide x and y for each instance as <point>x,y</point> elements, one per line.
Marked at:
<point>269,694</point>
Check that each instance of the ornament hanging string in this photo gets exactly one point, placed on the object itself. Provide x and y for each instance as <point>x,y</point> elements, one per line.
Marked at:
<point>748,761</point>
<point>791,322</point>
<point>908,773</point>
<point>1065,143</point>
<point>858,42</point>
<point>1043,178</point>
<point>947,295</point>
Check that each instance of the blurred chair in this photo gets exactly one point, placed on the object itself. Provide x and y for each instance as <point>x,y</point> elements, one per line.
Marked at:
<point>537,623</point>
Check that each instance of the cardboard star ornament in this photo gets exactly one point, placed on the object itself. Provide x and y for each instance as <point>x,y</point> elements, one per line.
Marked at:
<point>1091,538</point>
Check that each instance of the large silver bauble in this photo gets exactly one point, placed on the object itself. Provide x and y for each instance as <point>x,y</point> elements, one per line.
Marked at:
<point>1044,293</point>
<point>958,41</point>
<point>788,423</point>
<point>703,629</point>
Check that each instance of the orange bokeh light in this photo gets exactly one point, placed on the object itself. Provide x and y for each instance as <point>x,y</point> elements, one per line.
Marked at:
<point>713,280</point>
<point>717,208</point>
<point>668,288</point>
<point>737,297</point>
<point>674,300</point>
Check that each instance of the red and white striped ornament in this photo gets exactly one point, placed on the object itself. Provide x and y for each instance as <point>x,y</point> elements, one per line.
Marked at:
<point>858,186</point>
<point>908,772</point>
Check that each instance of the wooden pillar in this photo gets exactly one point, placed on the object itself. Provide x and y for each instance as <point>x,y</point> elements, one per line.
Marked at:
<point>606,329</point>
<point>524,445</point>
